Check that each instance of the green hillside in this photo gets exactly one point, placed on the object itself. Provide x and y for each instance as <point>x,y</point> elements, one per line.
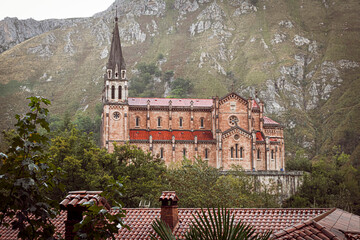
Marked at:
<point>301,57</point>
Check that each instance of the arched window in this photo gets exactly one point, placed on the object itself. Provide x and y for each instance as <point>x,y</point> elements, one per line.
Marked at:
<point>201,122</point>
<point>232,152</point>
<point>159,121</point>
<point>241,152</point>
<point>120,91</point>
<point>181,122</point>
<point>258,154</point>
<point>236,150</point>
<point>206,153</point>
<point>109,74</point>
<point>123,74</point>
<point>272,154</point>
<point>116,74</point>
<point>137,121</point>
<point>113,92</point>
<point>161,153</point>
<point>184,152</point>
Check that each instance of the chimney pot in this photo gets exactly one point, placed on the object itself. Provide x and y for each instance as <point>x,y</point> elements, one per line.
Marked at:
<point>169,208</point>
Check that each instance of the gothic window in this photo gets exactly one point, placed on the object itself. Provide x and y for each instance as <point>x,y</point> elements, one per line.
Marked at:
<point>116,74</point>
<point>233,120</point>
<point>206,153</point>
<point>181,122</point>
<point>236,150</point>
<point>120,90</point>
<point>113,92</point>
<point>201,122</point>
<point>272,154</point>
<point>109,74</point>
<point>241,152</point>
<point>161,153</point>
<point>159,121</point>
<point>184,152</point>
<point>137,121</point>
<point>123,74</point>
<point>258,154</point>
<point>232,152</point>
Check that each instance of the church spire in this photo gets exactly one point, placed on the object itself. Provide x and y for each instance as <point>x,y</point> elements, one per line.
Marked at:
<point>116,61</point>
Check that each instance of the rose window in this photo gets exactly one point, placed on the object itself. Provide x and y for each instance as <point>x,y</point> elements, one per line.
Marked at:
<point>233,120</point>
<point>116,115</point>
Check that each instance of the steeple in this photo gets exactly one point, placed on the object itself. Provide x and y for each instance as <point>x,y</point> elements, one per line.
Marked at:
<point>116,84</point>
<point>116,61</point>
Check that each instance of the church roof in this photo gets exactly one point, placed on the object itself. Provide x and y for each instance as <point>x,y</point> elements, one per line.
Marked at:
<point>175,102</point>
<point>269,121</point>
<point>167,135</point>
<point>116,57</point>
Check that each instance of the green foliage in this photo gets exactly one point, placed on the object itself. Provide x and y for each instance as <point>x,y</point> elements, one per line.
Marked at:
<point>180,88</point>
<point>160,56</point>
<point>27,177</point>
<point>300,162</point>
<point>84,163</point>
<point>234,189</point>
<point>333,182</point>
<point>212,225</point>
<point>144,176</point>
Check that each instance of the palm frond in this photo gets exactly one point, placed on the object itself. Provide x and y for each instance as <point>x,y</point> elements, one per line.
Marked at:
<point>162,231</point>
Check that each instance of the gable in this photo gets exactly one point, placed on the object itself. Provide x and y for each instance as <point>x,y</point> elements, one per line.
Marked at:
<point>231,97</point>
<point>236,130</point>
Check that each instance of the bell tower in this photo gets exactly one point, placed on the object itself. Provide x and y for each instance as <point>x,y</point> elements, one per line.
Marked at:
<point>114,126</point>
<point>115,81</point>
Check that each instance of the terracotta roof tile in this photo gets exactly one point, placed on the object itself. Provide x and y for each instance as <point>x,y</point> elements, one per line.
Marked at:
<point>255,105</point>
<point>269,121</point>
<point>175,102</point>
<point>76,198</point>
<point>140,219</point>
<point>259,136</point>
<point>167,135</point>
<point>168,195</point>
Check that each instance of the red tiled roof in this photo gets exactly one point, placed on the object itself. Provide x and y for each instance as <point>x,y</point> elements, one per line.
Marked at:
<point>76,198</point>
<point>255,105</point>
<point>59,222</point>
<point>259,136</point>
<point>139,220</point>
<point>176,102</point>
<point>307,230</point>
<point>167,135</point>
<point>269,121</point>
<point>340,221</point>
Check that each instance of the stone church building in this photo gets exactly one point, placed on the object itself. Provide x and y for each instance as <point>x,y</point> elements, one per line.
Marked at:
<point>224,131</point>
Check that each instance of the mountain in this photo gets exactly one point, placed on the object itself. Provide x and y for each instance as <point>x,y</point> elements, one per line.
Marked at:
<point>302,58</point>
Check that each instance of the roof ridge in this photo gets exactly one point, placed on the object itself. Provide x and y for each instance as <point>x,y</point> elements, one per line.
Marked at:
<point>323,215</point>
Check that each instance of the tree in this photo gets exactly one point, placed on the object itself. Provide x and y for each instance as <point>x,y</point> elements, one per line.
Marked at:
<point>211,225</point>
<point>27,176</point>
<point>180,88</point>
<point>332,182</point>
<point>144,176</point>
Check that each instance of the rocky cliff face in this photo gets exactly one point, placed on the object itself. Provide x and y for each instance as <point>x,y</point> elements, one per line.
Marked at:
<point>14,31</point>
<point>300,57</point>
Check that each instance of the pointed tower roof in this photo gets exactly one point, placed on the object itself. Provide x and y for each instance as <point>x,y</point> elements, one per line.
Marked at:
<point>116,58</point>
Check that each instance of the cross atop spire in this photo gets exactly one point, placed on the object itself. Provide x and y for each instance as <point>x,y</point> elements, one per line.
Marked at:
<point>116,17</point>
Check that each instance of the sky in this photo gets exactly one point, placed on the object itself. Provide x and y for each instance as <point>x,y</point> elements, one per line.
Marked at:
<point>45,9</point>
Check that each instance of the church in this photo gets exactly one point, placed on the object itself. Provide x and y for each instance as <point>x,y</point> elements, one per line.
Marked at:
<point>224,131</point>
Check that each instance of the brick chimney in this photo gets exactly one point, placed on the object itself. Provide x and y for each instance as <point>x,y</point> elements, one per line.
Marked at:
<point>169,208</point>
<point>73,205</point>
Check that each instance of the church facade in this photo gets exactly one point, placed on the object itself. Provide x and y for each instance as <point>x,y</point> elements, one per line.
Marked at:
<point>224,131</point>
